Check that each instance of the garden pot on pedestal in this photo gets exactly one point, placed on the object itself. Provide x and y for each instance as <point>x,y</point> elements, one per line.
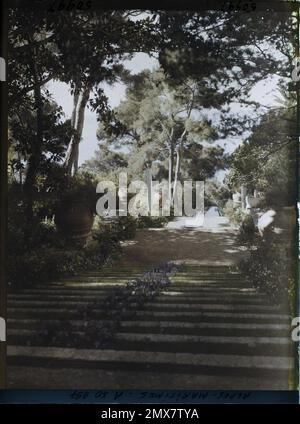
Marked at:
<point>75,220</point>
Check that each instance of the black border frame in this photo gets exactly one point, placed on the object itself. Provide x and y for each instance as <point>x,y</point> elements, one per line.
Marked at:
<point>66,396</point>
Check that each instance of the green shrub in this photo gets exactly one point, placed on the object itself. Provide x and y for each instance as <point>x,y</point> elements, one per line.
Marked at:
<point>234,214</point>
<point>125,227</point>
<point>107,240</point>
<point>247,232</point>
<point>119,229</point>
<point>46,263</point>
<point>152,221</point>
<point>269,267</point>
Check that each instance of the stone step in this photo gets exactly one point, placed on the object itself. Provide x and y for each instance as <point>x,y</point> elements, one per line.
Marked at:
<point>207,278</point>
<point>266,327</point>
<point>99,277</point>
<point>167,301</point>
<point>195,288</point>
<point>106,288</point>
<point>160,306</point>
<point>76,288</point>
<point>214,290</point>
<point>47,313</point>
<point>113,272</point>
<point>93,280</point>
<point>32,323</point>
<point>181,279</point>
<point>209,275</point>
<point>227,296</point>
<point>151,342</point>
<point>171,296</point>
<point>37,307</point>
<point>214,316</point>
<point>79,285</point>
<point>179,338</point>
<point>91,294</point>
<point>212,270</point>
<point>163,327</point>
<point>203,298</point>
<point>153,376</point>
<point>207,328</point>
<point>232,361</point>
<point>212,285</point>
<point>67,291</point>
<point>169,289</point>
<point>54,303</point>
<point>199,344</point>
<point>152,362</point>
<point>53,297</point>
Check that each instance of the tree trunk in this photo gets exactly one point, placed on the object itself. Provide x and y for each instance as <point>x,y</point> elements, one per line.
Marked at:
<point>80,101</point>
<point>180,148</point>
<point>177,168</point>
<point>171,170</point>
<point>178,158</point>
<point>35,157</point>
<point>75,104</point>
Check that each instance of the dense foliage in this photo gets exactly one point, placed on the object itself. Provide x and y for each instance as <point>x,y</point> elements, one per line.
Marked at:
<point>270,266</point>
<point>267,160</point>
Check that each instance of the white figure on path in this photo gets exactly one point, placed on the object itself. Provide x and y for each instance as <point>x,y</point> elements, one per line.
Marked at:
<point>212,220</point>
<point>265,220</point>
<point>196,221</point>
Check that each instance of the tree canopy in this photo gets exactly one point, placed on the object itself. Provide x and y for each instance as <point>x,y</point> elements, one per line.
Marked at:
<point>267,160</point>
<point>164,127</point>
<point>208,60</point>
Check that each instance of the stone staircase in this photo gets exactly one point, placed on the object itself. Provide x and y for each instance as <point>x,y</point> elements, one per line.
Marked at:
<point>207,330</point>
